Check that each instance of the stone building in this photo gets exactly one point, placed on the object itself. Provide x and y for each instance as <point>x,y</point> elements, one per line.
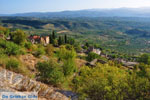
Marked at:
<point>39,39</point>
<point>94,50</point>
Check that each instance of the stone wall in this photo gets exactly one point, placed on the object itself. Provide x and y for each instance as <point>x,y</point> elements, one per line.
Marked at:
<point>10,81</point>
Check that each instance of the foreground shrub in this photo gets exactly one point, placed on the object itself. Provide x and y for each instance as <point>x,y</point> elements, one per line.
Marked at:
<point>40,51</point>
<point>91,56</point>
<point>19,37</point>
<point>12,64</point>
<point>3,60</point>
<point>69,67</point>
<point>105,82</point>
<point>50,50</point>
<point>50,72</point>
<point>10,48</point>
<point>68,57</point>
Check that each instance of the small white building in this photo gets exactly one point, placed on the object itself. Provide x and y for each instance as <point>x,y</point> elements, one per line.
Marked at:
<point>95,50</point>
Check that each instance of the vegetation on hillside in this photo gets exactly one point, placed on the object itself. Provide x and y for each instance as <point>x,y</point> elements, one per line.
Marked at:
<point>56,65</point>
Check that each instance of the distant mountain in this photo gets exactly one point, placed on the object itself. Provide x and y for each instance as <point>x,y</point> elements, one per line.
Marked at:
<point>116,12</point>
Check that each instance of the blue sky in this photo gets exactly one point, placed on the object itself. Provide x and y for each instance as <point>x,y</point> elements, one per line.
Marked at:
<point>21,6</point>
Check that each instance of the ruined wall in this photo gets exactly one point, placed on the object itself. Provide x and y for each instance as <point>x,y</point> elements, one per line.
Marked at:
<point>10,81</point>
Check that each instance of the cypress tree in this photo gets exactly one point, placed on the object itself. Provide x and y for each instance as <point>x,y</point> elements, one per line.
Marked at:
<point>54,35</point>
<point>66,39</point>
<point>59,41</point>
<point>51,39</point>
<point>63,41</point>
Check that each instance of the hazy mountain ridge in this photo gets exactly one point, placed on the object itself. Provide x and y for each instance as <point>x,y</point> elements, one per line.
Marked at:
<point>116,12</point>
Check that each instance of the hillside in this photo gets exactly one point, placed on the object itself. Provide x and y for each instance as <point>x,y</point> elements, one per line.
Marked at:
<point>59,67</point>
<point>125,35</point>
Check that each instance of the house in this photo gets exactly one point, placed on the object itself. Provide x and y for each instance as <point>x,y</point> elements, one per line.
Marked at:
<point>34,39</point>
<point>94,50</point>
<point>45,40</point>
<point>39,39</point>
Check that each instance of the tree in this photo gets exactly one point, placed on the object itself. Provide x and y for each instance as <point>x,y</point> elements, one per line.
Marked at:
<point>145,58</point>
<point>54,35</point>
<point>19,37</point>
<point>66,40</point>
<point>87,44</point>
<point>51,39</point>
<point>60,41</point>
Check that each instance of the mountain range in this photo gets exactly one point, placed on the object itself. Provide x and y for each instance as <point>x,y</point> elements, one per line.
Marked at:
<point>115,12</point>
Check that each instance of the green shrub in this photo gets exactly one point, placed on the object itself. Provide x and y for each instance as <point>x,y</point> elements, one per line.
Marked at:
<point>68,57</point>
<point>28,45</point>
<point>10,48</point>
<point>65,54</point>
<point>50,50</point>
<point>19,37</point>
<point>40,51</point>
<point>69,67</point>
<point>12,64</point>
<point>2,51</point>
<point>145,58</point>
<point>91,56</point>
<point>105,82</point>
<point>3,60</point>
<point>50,72</point>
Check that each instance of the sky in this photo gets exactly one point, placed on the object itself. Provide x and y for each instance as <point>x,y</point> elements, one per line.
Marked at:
<point>23,6</point>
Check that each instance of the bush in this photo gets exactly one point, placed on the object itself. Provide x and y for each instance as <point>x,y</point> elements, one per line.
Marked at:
<point>12,64</point>
<point>145,58</point>
<point>69,67</point>
<point>2,51</point>
<point>19,37</point>
<point>65,54</point>
<point>91,56</point>
<point>28,45</point>
<point>68,57</point>
<point>3,60</point>
<point>50,50</point>
<point>10,48</point>
<point>40,51</point>
<point>50,72</point>
<point>105,82</point>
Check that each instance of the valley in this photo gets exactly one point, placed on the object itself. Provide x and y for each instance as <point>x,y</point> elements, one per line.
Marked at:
<point>120,34</point>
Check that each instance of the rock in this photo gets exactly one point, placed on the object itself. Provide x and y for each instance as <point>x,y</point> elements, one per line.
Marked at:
<point>9,76</point>
<point>13,82</point>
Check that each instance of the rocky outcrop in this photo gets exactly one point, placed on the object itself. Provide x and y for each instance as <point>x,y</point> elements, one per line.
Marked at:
<point>10,81</point>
